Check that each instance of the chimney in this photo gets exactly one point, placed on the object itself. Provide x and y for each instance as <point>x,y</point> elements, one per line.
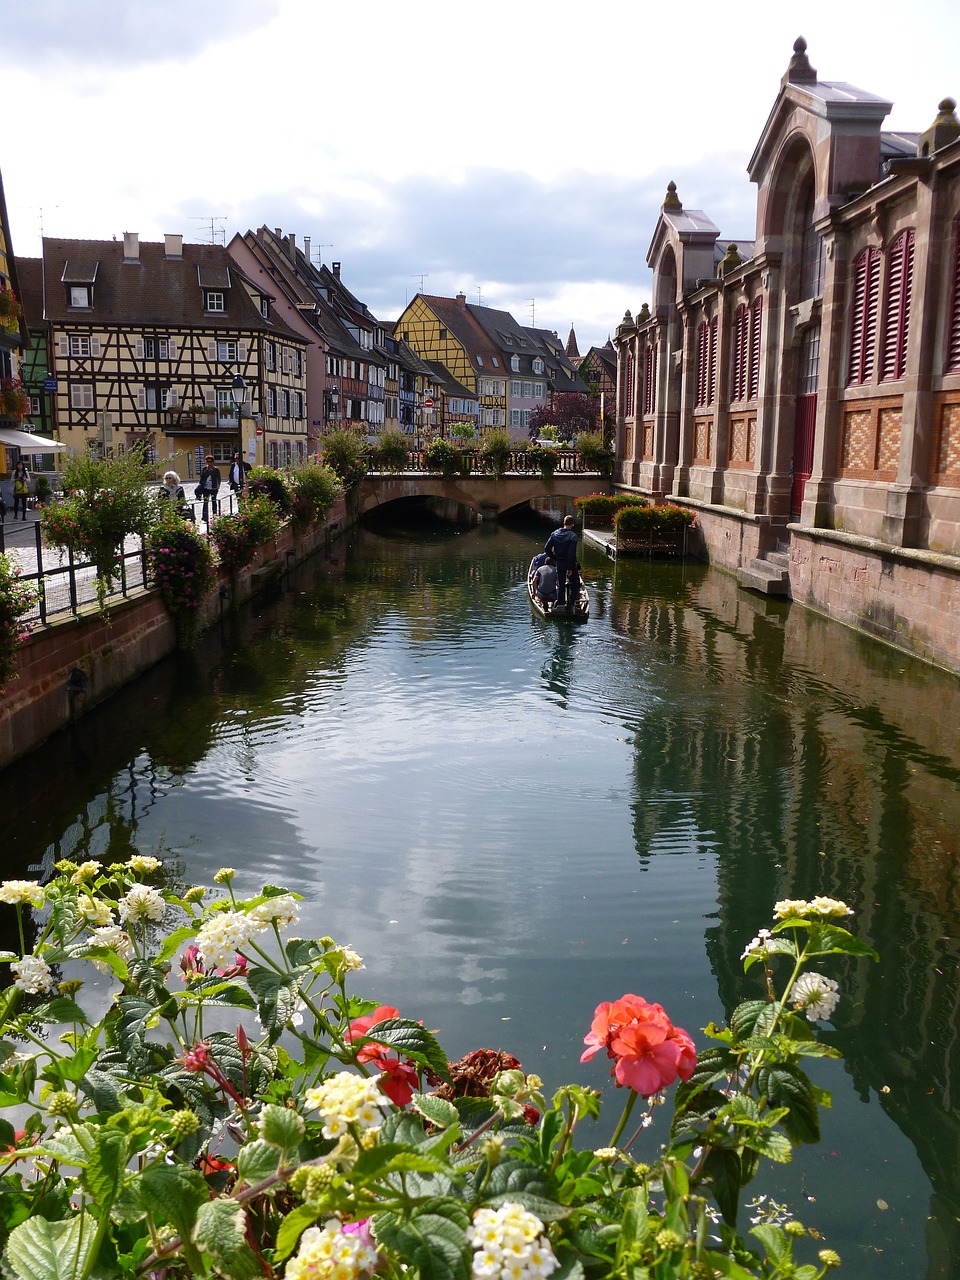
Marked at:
<point>131,246</point>
<point>292,245</point>
<point>306,247</point>
<point>462,301</point>
<point>278,232</point>
<point>172,245</point>
<point>335,268</point>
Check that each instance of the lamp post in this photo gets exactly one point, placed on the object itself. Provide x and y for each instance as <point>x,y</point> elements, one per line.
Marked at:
<point>334,403</point>
<point>238,389</point>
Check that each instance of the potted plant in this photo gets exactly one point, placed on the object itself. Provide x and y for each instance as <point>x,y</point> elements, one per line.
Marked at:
<point>10,311</point>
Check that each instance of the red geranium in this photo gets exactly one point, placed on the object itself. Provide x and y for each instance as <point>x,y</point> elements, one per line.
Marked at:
<point>648,1051</point>
<point>399,1080</point>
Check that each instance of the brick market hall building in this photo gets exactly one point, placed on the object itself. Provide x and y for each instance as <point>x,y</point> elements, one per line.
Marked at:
<point>802,392</point>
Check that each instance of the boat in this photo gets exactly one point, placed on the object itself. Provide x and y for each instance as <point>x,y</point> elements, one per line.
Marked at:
<point>578,612</point>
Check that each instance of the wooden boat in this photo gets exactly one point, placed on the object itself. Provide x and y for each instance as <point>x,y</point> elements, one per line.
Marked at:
<point>578,612</point>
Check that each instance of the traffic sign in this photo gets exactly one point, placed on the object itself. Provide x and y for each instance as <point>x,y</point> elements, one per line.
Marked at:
<point>428,402</point>
<point>49,384</point>
<point>259,431</point>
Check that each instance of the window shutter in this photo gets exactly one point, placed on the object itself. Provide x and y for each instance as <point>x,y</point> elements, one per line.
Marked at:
<point>141,397</point>
<point>211,350</point>
<point>138,349</point>
<point>63,346</point>
<point>94,346</point>
<point>953,342</point>
<point>896,317</point>
<point>173,348</point>
<point>712,364</point>
<point>756,325</point>
<point>739,388</point>
<point>702,363</point>
<point>173,397</point>
<point>649,379</point>
<point>863,319</point>
<point>242,352</point>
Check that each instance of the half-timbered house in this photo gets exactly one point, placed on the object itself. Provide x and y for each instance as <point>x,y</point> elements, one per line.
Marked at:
<point>15,404</point>
<point>802,391</point>
<point>169,349</point>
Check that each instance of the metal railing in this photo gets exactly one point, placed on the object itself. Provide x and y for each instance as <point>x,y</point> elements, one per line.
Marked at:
<point>519,462</point>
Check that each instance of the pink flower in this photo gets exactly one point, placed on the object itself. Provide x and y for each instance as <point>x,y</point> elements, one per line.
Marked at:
<point>399,1080</point>
<point>647,1050</point>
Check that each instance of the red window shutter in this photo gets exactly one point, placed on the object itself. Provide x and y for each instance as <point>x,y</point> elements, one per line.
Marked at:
<point>712,364</point>
<point>702,340</point>
<point>863,319</point>
<point>756,325</point>
<point>896,315</point>
<point>953,344</point>
<point>649,378</point>
<point>629,389</point>
<point>738,390</point>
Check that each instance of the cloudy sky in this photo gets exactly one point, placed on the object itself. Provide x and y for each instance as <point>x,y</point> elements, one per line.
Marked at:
<point>518,151</point>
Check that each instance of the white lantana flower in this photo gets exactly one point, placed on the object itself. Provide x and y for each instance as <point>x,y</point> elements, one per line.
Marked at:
<point>141,902</point>
<point>509,1245</point>
<point>86,871</point>
<point>114,939</point>
<point>284,910</point>
<point>33,975</point>
<point>143,863</point>
<point>223,935</point>
<point>14,891</point>
<point>758,947</point>
<point>332,1252</point>
<point>816,995</point>
<point>344,1100</point>
<point>94,910</point>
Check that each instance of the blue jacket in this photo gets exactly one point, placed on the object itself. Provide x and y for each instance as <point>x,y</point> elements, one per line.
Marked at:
<point>562,543</point>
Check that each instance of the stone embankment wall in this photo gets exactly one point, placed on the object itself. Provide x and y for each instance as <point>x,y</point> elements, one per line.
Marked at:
<point>139,633</point>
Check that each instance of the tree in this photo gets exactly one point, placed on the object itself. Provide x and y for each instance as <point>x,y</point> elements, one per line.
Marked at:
<point>571,412</point>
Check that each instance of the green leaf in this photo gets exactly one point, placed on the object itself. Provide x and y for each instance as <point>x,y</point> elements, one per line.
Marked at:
<point>434,1245</point>
<point>516,1180</point>
<point>276,995</point>
<point>388,1157</point>
<point>722,1168</point>
<point>281,1126</point>
<point>768,1142</point>
<point>222,993</point>
<point>413,1041</point>
<point>437,1110</point>
<point>291,1229</point>
<point>175,1192</point>
<point>787,1086</point>
<point>221,1231</point>
<point>775,1241</point>
<point>60,1009</point>
<point>257,1160</point>
<point>73,1068</point>
<point>105,1167</point>
<point>774,946</point>
<point>830,939</point>
<point>722,1264</point>
<point>42,1250</point>
<point>174,941</point>
<point>743,1020</point>
<point>104,1089</point>
<point>635,1224</point>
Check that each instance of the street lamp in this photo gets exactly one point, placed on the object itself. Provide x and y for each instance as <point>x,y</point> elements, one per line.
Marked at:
<point>334,403</point>
<point>238,389</point>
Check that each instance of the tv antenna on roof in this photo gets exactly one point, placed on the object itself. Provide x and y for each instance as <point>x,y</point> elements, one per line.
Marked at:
<point>479,297</point>
<point>218,235</point>
<point>533,313</point>
<point>326,245</point>
<point>421,276</point>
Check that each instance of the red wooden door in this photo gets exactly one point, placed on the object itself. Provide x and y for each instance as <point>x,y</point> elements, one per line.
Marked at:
<point>803,431</point>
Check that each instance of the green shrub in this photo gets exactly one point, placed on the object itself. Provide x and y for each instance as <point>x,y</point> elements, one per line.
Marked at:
<point>666,519</point>
<point>265,482</point>
<point>15,600</point>
<point>496,450</point>
<point>604,506</point>
<point>314,489</point>
<point>442,456</point>
<point>392,451</point>
<point>237,537</point>
<point>545,459</point>
<point>344,449</point>
<point>594,454</point>
<point>462,431</point>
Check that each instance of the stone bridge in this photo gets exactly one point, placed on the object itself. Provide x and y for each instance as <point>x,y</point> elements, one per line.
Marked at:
<point>492,496</point>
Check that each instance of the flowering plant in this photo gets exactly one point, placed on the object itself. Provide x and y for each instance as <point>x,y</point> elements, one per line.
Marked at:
<point>238,536</point>
<point>10,311</point>
<point>315,489</point>
<point>229,1110</point>
<point>634,518</point>
<point>269,483</point>
<point>15,600</point>
<point>14,400</point>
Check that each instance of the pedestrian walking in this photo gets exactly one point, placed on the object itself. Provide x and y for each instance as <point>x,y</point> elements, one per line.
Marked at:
<point>21,489</point>
<point>208,486</point>
<point>237,475</point>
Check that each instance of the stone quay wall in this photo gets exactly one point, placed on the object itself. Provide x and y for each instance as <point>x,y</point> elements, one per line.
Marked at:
<point>139,633</point>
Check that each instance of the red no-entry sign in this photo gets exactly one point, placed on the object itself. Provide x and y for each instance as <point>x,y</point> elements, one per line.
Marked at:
<point>428,403</point>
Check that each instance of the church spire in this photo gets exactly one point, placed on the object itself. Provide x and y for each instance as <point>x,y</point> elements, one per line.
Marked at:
<point>572,350</point>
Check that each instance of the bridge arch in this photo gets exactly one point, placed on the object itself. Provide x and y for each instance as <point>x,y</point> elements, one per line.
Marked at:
<point>486,494</point>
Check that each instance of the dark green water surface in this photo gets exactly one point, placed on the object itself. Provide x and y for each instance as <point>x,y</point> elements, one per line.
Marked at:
<point>513,819</point>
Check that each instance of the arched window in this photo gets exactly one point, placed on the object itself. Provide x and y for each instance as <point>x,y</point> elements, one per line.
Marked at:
<point>896,310</point>
<point>649,378</point>
<point>863,318</point>
<point>953,341</point>
<point>812,254</point>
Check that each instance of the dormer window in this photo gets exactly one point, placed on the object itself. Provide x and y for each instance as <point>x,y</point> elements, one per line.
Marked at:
<point>214,300</point>
<point>496,362</point>
<point>265,307</point>
<point>538,365</point>
<point>480,361</point>
<point>515,363</point>
<point>80,295</point>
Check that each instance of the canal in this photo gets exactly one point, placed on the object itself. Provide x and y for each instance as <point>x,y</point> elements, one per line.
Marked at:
<point>513,819</point>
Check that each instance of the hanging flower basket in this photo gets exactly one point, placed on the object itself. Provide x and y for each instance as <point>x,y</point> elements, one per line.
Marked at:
<point>10,311</point>
<point>14,401</point>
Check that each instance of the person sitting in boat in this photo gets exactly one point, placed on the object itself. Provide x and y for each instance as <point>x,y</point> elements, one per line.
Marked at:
<point>545,582</point>
<point>540,559</point>
<point>573,584</point>
<point>562,545</point>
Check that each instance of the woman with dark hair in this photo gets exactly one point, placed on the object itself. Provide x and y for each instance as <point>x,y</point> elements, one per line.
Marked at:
<point>21,489</point>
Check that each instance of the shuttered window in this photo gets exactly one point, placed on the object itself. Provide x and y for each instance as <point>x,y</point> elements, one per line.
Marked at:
<point>703,360</point>
<point>712,364</point>
<point>953,343</point>
<point>896,310</point>
<point>741,324</point>
<point>650,379</point>
<point>756,326</point>
<point>628,390</point>
<point>863,318</point>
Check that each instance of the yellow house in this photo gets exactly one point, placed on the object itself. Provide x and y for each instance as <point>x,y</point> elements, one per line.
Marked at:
<point>443,330</point>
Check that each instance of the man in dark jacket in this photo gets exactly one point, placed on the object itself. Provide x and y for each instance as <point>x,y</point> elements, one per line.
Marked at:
<point>208,486</point>
<point>562,545</point>
<point>237,475</point>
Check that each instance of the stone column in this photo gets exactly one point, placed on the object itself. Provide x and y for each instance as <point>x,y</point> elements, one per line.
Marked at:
<point>817,507</point>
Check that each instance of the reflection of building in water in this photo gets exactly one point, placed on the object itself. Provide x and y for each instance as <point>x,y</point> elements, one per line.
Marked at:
<point>848,784</point>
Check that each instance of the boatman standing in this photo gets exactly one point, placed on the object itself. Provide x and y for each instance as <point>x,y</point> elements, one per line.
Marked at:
<point>562,545</point>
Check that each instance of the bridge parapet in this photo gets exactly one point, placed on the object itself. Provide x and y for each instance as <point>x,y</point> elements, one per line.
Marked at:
<point>489,494</point>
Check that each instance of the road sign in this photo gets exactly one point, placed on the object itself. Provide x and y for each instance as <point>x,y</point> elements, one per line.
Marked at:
<point>259,431</point>
<point>428,403</point>
<point>49,384</point>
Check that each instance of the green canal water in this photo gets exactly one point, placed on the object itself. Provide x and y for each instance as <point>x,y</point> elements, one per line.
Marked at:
<point>513,819</point>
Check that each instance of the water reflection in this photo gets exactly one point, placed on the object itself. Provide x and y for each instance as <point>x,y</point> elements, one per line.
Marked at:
<point>556,814</point>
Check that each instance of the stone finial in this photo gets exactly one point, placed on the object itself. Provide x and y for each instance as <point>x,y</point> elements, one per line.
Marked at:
<point>944,130</point>
<point>643,314</point>
<point>800,71</point>
<point>626,325</point>
<point>730,261</point>
<point>671,200</point>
